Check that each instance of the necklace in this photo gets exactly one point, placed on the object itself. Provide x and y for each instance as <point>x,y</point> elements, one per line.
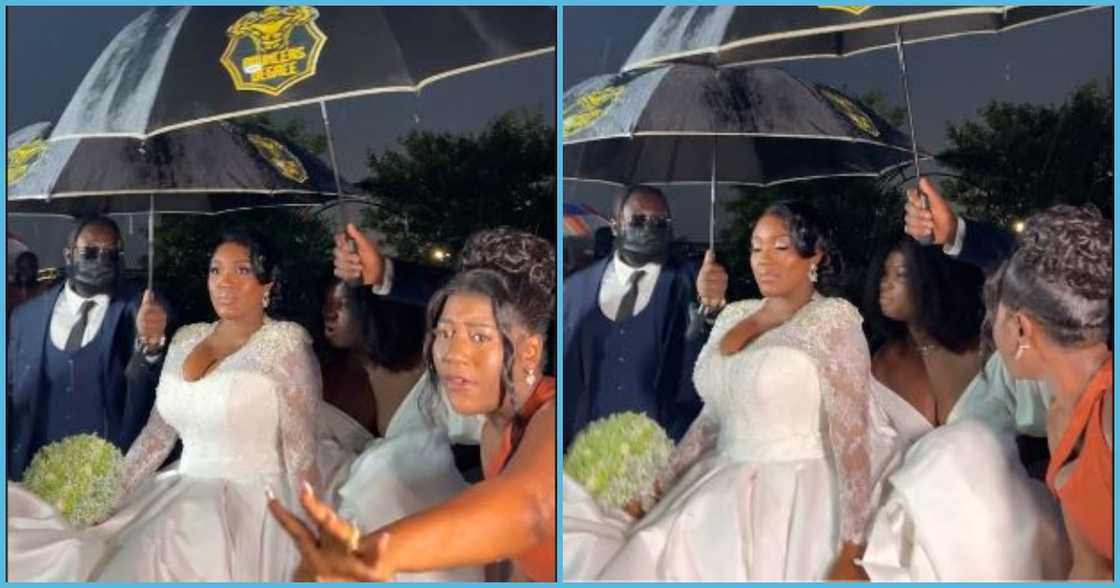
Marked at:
<point>925,349</point>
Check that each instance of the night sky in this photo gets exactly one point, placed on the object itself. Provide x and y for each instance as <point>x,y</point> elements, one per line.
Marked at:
<point>50,49</point>
<point>950,80</point>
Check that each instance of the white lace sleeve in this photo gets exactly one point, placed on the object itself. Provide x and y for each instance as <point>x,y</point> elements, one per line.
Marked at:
<point>704,431</point>
<point>144,457</point>
<point>700,438</point>
<point>846,366</point>
<point>157,439</point>
<point>300,393</point>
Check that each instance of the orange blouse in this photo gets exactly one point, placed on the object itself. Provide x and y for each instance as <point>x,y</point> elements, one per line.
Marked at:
<point>538,564</point>
<point>1086,495</point>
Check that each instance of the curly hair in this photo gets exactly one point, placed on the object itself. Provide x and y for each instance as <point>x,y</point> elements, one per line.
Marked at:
<point>1060,275</point>
<point>527,260</point>
<point>262,257</point>
<point>945,293</point>
<point>516,271</point>
<point>810,235</point>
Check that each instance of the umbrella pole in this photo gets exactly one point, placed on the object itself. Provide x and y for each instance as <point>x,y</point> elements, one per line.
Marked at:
<point>927,239</point>
<point>151,237</point>
<point>712,202</point>
<point>334,163</point>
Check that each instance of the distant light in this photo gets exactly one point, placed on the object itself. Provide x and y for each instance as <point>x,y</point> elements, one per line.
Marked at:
<point>1019,226</point>
<point>439,254</point>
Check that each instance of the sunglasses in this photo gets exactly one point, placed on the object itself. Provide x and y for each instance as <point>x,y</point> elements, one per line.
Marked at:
<point>90,253</point>
<point>650,220</point>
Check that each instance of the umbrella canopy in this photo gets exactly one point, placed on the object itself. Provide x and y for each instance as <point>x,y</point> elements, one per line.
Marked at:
<point>203,169</point>
<point>765,127</point>
<point>738,35</point>
<point>180,66</point>
<point>581,220</point>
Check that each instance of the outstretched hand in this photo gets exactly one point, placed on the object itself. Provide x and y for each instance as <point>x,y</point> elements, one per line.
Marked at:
<point>326,554</point>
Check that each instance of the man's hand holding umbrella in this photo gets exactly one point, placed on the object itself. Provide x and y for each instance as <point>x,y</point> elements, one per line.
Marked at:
<point>151,324</point>
<point>939,220</point>
<point>360,263</point>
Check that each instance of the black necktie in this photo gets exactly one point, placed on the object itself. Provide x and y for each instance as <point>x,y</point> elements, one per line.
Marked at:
<point>74,341</point>
<point>626,307</point>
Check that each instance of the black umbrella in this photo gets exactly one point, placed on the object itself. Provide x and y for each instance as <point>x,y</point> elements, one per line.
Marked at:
<point>692,125</point>
<point>206,169</point>
<point>726,36</point>
<point>179,66</point>
<point>175,67</point>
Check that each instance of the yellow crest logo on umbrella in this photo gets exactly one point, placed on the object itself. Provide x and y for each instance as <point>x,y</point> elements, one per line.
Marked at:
<point>854,10</point>
<point>275,153</point>
<point>22,157</point>
<point>850,110</point>
<point>273,49</point>
<point>587,108</point>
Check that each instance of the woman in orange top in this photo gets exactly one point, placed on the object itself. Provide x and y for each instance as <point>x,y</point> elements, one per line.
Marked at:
<point>1053,311</point>
<point>486,349</point>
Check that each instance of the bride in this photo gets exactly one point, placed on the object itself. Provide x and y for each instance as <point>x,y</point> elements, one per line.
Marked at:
<point>242,395</point>
<point>776,475</point>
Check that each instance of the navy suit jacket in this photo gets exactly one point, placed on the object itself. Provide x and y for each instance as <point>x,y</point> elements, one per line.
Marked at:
<point>683,336</point>
<point>127,388</point>
<point>986,246</point>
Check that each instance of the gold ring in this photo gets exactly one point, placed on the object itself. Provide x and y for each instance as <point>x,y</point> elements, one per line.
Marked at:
<point>353,541</point>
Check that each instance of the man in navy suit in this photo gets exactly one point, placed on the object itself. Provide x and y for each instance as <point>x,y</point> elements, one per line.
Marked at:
<point>84,356</point>
<point>632,326</point>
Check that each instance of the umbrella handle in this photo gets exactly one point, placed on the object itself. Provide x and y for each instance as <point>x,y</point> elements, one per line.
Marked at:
<point>926,239</point>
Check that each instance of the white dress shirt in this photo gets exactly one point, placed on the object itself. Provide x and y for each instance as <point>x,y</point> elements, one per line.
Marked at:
<point>67,312</point>
<point>386,284</point>
<point>954,249</point>
<point>616,281</point>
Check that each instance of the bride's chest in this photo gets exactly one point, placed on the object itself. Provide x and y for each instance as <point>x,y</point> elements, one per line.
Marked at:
<point>227,399</point>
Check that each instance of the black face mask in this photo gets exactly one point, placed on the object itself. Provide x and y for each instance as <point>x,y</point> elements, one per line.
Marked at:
<point>639,245</point>
<point>90,277</point>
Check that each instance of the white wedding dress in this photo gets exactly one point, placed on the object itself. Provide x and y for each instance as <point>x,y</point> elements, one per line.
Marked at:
<point>959,506</point>
<point>247,426</point>
<point>780,466</point>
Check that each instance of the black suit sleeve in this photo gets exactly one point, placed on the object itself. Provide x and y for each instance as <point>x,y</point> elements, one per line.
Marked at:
<point>688,403</point>
<point>986,246</point>
<point>414,283</point>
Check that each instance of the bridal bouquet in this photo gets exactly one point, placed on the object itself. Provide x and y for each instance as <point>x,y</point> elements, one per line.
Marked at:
<point>82,476</point>
<point>617,459</point>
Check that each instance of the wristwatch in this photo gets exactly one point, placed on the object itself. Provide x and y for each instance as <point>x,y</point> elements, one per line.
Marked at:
<point>151,350</point>
<point>711,312</point>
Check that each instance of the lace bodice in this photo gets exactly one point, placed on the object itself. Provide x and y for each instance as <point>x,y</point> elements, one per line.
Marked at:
<point>798,391</point>
<point>253,415</point>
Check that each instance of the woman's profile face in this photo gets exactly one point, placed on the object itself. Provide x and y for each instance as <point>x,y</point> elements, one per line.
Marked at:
<point>467,352</point>
<point>340,326</point>
<point>895,299</point>
<point>235,291</point>
<point>778,268</point>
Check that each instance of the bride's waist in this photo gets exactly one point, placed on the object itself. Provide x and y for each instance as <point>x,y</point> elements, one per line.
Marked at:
<point>243,463</point>
<point>783,448</point>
